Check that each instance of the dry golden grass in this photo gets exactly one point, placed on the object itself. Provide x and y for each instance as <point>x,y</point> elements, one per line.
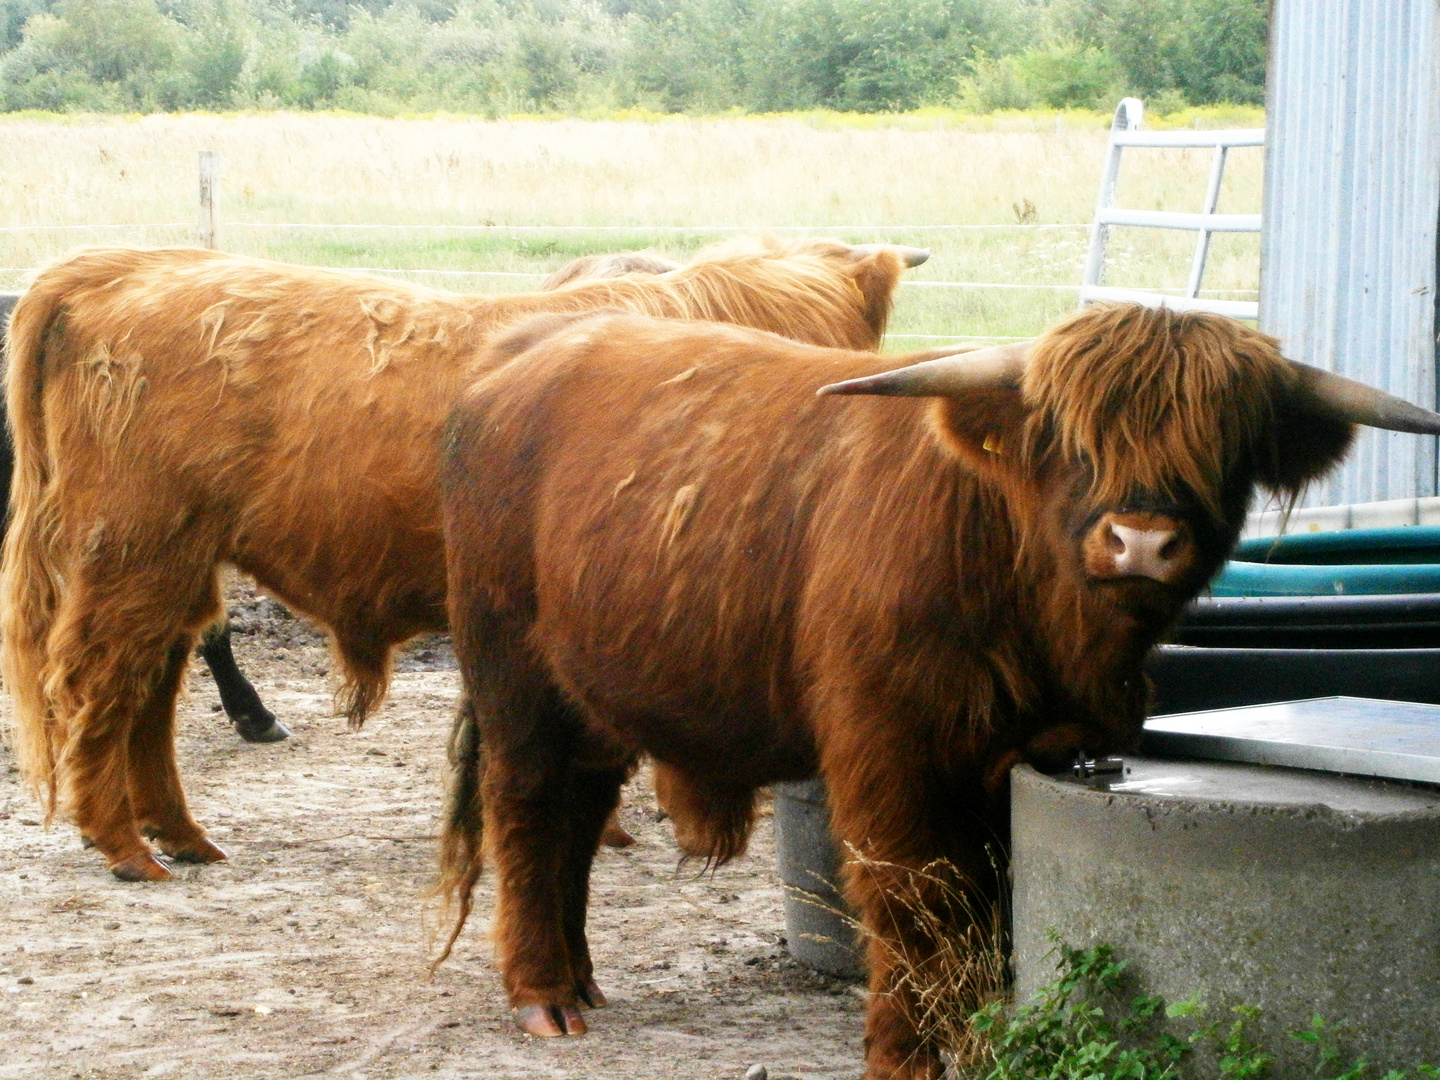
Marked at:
<point>757,173</point>
<point>961,969</point>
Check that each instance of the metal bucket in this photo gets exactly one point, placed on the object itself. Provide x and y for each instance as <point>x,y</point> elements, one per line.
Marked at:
<point>819,927</point>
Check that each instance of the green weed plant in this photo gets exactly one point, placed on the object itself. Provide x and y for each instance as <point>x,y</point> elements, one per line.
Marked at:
<point>1081,1027</point>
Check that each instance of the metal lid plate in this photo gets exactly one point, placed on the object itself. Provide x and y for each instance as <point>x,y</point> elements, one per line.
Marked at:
<point>1398,740</point>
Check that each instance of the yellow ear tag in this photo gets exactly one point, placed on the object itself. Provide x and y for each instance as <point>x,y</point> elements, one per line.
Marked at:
<point>991,444</point>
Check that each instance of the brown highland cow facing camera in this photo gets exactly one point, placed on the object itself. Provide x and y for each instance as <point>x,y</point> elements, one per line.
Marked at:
<point>661,540</point>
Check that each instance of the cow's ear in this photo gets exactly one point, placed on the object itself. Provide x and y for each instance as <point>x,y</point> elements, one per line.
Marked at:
<point>1306,444</point>
<point>877,276</point>
<point>983,428</point>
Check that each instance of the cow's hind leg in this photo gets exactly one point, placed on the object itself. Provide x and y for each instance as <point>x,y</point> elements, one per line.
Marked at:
<point>154,781</point>
<point>121,638</point>
<point>594,794</point>
<point>97,796</point>
<point>253,721</point>
<point>530,737</point>
<point>100,675</point>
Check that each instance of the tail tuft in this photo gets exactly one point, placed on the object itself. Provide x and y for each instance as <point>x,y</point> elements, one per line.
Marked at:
<point>463,838</point>
<point>31,577</point>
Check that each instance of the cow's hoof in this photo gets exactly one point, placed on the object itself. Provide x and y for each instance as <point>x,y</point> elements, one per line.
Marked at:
<point>142,867</point>
<point>86,842</point>
<point>590,994</point>
<point>261,729</point>
<point>550,1021</point>
<point>916,1066</point>
<point>616,836</point>
<point>197,851</point>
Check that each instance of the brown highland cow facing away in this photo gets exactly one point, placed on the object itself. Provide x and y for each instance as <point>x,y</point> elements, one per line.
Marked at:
<point>660,539</point>
<point>175,410</point>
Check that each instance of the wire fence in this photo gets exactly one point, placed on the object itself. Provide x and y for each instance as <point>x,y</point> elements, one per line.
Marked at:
<point>698,229</point>
<point>210,224</point>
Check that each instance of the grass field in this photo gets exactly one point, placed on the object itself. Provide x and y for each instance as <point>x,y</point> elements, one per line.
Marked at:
<point>860,180</point>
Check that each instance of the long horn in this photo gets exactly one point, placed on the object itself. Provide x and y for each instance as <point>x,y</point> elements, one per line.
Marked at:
<point>1346,399</point>
<point>910,256</point>
<point>996,368</point>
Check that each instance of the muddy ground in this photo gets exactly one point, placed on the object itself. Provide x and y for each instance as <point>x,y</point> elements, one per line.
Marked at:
<point>305,954</point>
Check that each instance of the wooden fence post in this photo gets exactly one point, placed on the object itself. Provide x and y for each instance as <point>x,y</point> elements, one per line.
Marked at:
<point>209,199</point>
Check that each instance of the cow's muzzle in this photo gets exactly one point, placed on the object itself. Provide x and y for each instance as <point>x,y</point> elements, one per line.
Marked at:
<point>1126,544</point>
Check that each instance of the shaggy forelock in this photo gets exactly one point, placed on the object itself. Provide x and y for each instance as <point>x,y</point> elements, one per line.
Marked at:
<point>1154,400</point>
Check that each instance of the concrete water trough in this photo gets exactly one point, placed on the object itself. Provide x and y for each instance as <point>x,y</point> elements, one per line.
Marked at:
<point>1296,870</point>
<point>1285,856</point>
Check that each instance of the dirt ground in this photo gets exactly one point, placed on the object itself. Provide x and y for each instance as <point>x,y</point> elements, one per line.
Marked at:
<point>305,954</point>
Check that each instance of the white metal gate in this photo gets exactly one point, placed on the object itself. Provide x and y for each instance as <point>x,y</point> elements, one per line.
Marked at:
<point>1125,132</point>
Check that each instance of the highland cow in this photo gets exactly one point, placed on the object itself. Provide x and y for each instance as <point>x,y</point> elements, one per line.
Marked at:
<point>661,540</point>
<point>177,410</point>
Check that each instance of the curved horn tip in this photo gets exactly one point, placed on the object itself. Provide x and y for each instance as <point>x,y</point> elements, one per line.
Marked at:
<point>1359,403</point>
<point>910,256</point>
<point>950,374</point>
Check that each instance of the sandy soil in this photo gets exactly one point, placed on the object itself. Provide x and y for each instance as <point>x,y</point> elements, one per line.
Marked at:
<point>305,954</point>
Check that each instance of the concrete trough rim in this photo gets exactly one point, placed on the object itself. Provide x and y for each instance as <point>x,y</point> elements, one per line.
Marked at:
<point>1181,804</point>
<point>1296,907</point>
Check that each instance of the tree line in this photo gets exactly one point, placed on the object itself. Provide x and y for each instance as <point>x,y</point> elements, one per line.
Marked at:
<point>498,57</point>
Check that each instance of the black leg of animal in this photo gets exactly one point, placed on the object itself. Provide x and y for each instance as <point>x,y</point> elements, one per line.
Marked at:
<point>253,721</point>
<point>593,798</point>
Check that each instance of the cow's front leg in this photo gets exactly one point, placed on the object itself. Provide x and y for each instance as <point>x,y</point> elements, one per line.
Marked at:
<point>920,872</point>
<point>920,985</point>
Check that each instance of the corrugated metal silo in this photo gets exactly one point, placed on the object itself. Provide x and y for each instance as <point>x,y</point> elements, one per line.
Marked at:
<point>1352,203</point>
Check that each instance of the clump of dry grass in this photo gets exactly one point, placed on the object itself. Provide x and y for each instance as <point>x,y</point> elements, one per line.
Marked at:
<point>962,966</point>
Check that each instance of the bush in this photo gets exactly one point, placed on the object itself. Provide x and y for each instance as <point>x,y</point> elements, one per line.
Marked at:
<point>1060,76</point>
<point>672,55</point>
<point>1210,51</point>
<point>995,82</point>
<point>1071,76</point>
<point>215,54</point>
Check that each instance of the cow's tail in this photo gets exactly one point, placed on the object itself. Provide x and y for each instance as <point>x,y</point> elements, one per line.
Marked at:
<point>30,577</point>
<point>462,837</point>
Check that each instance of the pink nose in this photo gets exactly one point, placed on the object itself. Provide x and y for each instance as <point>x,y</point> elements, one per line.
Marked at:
<point>1138,545</point>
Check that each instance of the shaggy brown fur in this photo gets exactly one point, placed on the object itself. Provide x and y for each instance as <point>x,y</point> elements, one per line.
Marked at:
<point>175,410</point>
<point>660,540</point>
<point>609,266</point>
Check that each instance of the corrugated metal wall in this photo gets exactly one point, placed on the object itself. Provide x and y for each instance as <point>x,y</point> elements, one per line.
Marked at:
<point>1352,203</point>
